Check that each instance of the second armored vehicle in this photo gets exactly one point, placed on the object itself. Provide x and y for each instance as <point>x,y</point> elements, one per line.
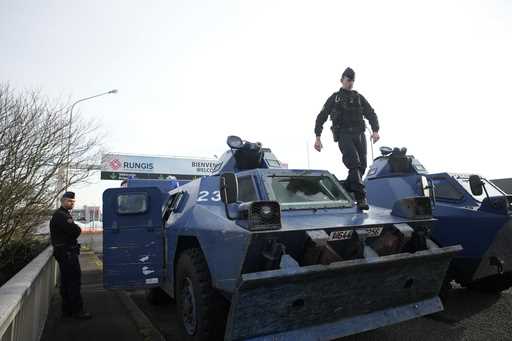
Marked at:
<point>470,211</point>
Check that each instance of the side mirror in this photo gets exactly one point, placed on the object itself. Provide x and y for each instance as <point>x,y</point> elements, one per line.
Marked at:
<point>476,184</point>
<point>228,188</point>
<point>234,142</point>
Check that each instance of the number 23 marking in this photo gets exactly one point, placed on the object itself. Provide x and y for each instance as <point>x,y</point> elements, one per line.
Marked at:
<point>205,196</point>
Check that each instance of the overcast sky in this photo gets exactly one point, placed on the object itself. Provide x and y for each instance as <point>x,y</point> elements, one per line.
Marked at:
<point>189,73</point>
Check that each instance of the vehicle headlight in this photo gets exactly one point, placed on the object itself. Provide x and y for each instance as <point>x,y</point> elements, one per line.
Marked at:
<point>262,215</point>
<point>413,208</point>
<point>266,212</point>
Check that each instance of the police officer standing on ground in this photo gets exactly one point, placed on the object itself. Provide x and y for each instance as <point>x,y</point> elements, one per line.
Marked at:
<point>347,108</point>
<point>64,233</point>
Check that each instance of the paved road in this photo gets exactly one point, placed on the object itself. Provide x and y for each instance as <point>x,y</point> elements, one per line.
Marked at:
<point>469,315</point>
<point>93,241</point>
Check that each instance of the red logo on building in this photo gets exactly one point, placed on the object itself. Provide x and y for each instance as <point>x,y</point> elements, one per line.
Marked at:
<point>115,164</point>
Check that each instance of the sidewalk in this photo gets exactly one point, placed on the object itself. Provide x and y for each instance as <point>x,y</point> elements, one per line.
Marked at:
<point>115,317</point>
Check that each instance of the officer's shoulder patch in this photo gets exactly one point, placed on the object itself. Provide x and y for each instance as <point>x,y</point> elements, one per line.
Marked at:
<point>70,220</point>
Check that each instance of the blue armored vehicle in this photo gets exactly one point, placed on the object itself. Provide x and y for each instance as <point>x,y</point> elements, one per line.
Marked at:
<point>470,211</point>
<point>259,252</point>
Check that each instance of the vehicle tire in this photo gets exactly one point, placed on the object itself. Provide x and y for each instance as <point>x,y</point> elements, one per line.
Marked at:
<point>494,284</point>
<point>156,296</point>
<point>445,290</point>
<point>201,310</point>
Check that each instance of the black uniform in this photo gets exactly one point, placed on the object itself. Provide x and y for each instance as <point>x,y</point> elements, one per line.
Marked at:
<point>347,110</point>
<point>64,233</point>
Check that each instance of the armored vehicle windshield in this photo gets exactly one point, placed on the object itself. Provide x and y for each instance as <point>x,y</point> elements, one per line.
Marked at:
<point>307,191</point>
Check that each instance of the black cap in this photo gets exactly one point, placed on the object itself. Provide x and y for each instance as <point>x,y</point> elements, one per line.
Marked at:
<point>69,195</point>
<point>349,73</point>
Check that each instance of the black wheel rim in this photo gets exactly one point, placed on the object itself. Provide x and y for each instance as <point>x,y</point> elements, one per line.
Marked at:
<point>188,311</point>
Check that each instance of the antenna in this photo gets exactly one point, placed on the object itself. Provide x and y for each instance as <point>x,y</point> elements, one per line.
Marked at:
<point>307,154</point>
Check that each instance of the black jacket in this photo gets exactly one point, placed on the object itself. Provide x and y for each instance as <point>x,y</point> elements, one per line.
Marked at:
<point>347,116</point>
<point>63,229</point>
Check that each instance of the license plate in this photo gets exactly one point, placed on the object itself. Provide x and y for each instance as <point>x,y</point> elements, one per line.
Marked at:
<point>374,231</point>
<point>347,234</point>
<point>341,235</point>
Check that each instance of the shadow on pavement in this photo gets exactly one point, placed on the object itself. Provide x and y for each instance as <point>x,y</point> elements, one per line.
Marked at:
<point>463,303</point>
<point>163,316</point>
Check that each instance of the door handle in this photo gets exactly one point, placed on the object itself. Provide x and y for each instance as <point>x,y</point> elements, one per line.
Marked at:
<point>115,227</point>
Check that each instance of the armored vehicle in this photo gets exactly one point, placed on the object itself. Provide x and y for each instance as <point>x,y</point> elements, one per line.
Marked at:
<point>470,211</point>
<point>259,252</point>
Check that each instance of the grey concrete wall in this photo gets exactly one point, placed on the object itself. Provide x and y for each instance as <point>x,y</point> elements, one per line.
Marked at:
<point>25,299</point>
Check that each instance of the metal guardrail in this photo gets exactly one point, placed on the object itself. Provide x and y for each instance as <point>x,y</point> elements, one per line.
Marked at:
<point>25,299</point>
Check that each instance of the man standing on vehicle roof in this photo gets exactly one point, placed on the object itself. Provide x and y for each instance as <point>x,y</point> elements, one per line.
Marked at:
<point>347,109</point>
<point>64,232</point>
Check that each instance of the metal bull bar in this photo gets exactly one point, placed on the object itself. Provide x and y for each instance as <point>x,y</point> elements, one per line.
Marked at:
<point>497,260</point>
<point>322,302</point>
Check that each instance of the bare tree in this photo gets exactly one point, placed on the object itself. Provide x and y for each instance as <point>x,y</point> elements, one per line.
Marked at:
<point>34,136</point>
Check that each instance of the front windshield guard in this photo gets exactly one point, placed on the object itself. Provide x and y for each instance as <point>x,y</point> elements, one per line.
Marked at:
<point>491,189</point>
<point>307,192</point>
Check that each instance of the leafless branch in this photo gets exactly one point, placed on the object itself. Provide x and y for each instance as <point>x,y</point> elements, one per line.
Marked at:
<point>34,135</point>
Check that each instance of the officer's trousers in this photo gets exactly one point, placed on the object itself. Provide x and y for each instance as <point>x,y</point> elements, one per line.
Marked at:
<point>353,148</point>
<point>70,281</point>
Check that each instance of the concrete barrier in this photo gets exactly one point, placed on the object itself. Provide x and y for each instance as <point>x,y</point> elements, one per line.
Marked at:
<point>25,299</point>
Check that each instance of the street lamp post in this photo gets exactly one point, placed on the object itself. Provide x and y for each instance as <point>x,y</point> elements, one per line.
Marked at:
<point>114,91</point>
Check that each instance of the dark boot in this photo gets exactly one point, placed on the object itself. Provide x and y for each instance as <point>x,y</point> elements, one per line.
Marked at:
<point>362,202</point>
